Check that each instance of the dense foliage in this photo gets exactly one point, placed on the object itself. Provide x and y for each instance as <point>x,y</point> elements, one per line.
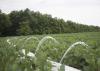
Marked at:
<point>85,59</point>
<point>26,22</point>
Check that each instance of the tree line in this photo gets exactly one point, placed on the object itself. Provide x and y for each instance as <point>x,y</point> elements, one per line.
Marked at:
<point>27,22</point>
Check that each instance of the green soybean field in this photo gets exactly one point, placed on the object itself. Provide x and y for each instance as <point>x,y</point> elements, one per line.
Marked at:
<point>84,58</point>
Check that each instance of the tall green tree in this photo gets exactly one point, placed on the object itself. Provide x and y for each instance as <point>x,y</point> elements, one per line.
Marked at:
<point>24,29</point>
<point>5,23</point>
<point>39,23</point>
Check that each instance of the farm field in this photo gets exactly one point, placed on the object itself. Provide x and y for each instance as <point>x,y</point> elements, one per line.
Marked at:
<point>80,57</point>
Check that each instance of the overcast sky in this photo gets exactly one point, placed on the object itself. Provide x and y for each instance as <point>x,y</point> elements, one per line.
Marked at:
<point>81,11</point>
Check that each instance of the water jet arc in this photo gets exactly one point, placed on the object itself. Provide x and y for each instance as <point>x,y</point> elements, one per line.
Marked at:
<point>71,47</point>
<point>43,40</point>
<point>29,39</point>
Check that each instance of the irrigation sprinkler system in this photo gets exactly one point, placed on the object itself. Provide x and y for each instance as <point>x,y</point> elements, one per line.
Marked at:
<point>55,65</point>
